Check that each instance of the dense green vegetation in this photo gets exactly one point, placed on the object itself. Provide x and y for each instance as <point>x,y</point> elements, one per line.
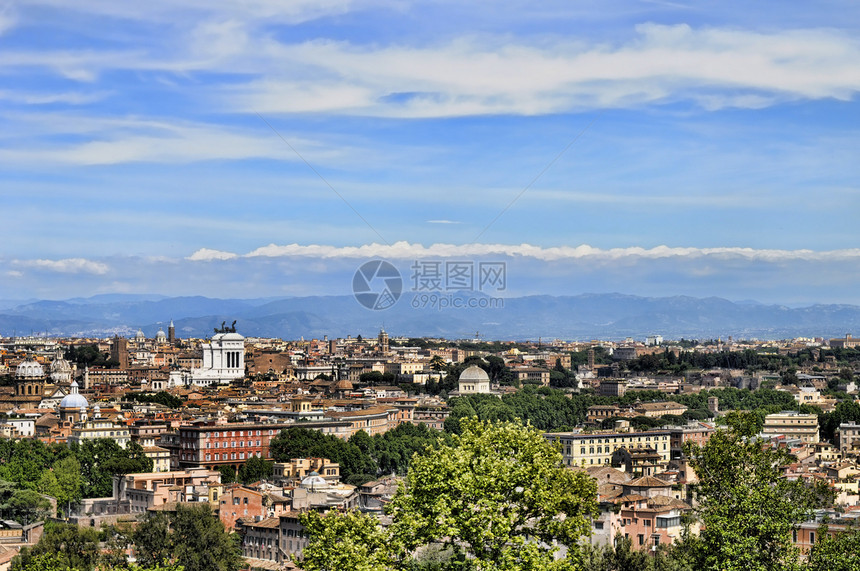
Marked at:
<point>190,539</point>
<point>479,502</point>
<point>362,458</point>
<point>491,499</point>
<point>554,410</point>
<point>161,397</point>
<point>89,356</point>
<point>68,473</point>
<point>747,507</point>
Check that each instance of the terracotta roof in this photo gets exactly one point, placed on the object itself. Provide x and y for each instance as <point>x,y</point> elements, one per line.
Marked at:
<point>269,522</point>
<point>605,474</point>
<point>648,482</point>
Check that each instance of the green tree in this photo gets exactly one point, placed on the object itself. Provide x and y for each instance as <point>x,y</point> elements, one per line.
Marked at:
<point>26,506</point>
<point>193,538</point>
<point>76,548</point>
<point>350,540</point>
<point>228,474</point>
<point>255,469</point>
<point>747,508</point>
<point>67,473</point>
<point>437,363</point>
<point>200,542</point>
<point>840,552</point>
<point>356,467</point>
<point>151,540</point>
<point>498,496</point>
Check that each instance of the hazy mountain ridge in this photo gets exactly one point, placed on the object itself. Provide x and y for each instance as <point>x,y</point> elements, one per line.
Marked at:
<point>582,316</point>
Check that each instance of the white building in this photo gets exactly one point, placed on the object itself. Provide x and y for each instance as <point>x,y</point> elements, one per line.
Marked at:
<point>474,380</point>
<point>223,360</point>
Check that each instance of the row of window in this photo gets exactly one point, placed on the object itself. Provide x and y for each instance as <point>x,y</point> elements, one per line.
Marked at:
<point>232,444</point>
<point>231,456</point>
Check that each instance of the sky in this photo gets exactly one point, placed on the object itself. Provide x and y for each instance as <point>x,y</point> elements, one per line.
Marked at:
<point>257,148</point>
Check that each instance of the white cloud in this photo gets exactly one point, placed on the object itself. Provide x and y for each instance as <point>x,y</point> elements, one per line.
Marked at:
<point>443,222</point>
<point>66,265</point>
<point>406,250</point>
<point>207,255</point>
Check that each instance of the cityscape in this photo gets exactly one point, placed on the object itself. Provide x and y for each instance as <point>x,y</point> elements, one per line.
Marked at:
<point>410,285</point>
<point>264,431</point>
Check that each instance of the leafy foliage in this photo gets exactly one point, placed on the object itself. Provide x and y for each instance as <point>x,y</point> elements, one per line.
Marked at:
<point>70,546</point>
<point>161,397</point>
<point>748,509</point>
<point>362,457</point>
<point>494,496</point>
<point>27,460</point>
<point>839,552</point>
<point>497,497</point>
<point>255,469</point>
<point>350,540</point>
<point>193,537</point>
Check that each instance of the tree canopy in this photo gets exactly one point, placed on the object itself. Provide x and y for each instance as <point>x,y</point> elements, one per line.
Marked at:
<point>496,497</point>
<point>747,508</point>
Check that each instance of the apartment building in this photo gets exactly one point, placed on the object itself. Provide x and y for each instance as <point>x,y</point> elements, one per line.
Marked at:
<point>792,424</point>
<point>597,448</point>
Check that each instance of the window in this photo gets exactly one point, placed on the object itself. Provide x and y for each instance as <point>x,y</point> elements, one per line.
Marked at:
<point>246,500</point>
<point>641,539</point>
<point>235,501</point>
<point>811,537</point>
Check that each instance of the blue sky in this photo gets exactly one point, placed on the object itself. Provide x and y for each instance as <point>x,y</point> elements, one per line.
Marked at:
<point>652,148</point>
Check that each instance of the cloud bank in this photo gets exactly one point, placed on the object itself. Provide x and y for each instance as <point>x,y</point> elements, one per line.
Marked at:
<point>409,251</point>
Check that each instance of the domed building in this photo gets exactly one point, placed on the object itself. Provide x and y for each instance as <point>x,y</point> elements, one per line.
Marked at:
<point>474,380</point>
<point>30,383</point>
<point>73,407</point>
<point>160,337</point>
<point>61,370</point>
<point>315,482</point>
<point>29,369</point>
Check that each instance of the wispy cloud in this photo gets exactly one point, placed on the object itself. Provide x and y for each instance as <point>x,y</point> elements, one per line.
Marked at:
<point>443,222</point>
<point>714,67</point>
<point>125,140</point>
<point>69,97</point>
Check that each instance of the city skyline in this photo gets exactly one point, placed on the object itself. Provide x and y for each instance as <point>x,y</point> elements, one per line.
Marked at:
<point>260,149</point>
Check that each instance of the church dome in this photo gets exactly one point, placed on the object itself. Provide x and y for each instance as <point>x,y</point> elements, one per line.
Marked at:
<point>139,336</point>
<point>74,399</point>
<point>61,370</point>
<point>161,337</point>
<point>474,374</point>
<point>29,369</point>
<point>314,481</point>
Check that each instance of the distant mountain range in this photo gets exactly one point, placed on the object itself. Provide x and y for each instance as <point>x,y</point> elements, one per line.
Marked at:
<point>586,316</point>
